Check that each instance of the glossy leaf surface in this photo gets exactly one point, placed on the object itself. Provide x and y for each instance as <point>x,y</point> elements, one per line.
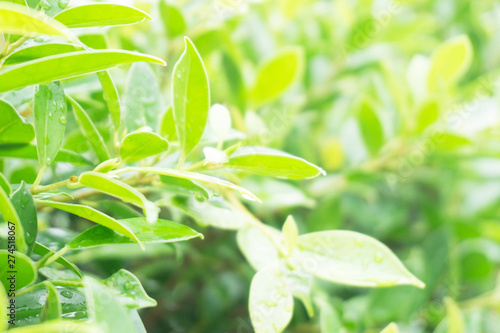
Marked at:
<point>163,231</point>
<point>138,145</point>
<point>12,127</point>
<point>67,65</point>
<point>270,162</point>
<point>271,302</point>
<point>90,131</point>
<point>22,267</point>
<point>99,15</point>
<point>20,20</point>
<point>129,290</point>
<point>94,216</point>
<point>352,258</point>
<point>22,200</point>
<point>50,121</point>
<point>39,51</point>
<point>121,190</point>
<point>190,97</point>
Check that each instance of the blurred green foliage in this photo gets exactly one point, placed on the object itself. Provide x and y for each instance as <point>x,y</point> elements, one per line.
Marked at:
<point>397,101</point>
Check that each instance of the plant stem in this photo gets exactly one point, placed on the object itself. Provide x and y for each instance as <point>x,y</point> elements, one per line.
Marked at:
<point>254,221</point>
<point>181,161</point>
<point>54,257</point>
<point>16,44</point>
<point>38,178</point>
<point>195,166</point>
<point>35,189</point>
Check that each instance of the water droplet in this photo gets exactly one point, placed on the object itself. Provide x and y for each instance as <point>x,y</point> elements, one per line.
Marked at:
<point>49,161</point>
<point>62,3</point>
<point>37,113</point>
<point>47,140</point>
<point>51,115</point>
<point>358,242</point>
<point>128,286</point>
<point>67,294</point>
<point>378,257</point>
<point>62,120</point>
<point>179,74</point>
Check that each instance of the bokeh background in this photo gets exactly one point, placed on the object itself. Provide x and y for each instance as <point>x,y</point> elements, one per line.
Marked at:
<point>413,163</point>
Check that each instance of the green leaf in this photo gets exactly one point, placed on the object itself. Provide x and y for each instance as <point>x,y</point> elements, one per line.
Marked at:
<point>163,231</point>
<point>446,142</point>
<point>393,328</point>
<point>258,249</point>
<point>172,18</point>
<point>329,320</point>
<point>454,317</point>
<point>352,258</point>
<point>142,97</point>
<point>119,189</point>
<point>94,40</point>
<point>139,145</point>
<point>190,97</point>
<point>50,7</point>
<point>105,309</point>
<point>111,97</point>
<point>30,304</point>
<point>17,19</point>
<point>42,250</point>
<point>214,212</point>
<point>15,226</point>
<point>12,128</point>
<point>290,234</point>
<point>39,51</point>
<point>22,200</point>
<point>90,131</point>
<point>167,129</point>
<point>198,177</point>
<point>271,162</point>
<point>30,152</point>
<point>271,302</point>
<point>185,186</point>
<point>235,81</point>
<point>94,216</point>
<point>52,308</point>
<point>118,209</point>
<point>129,290</point>
<point>4,311</point>
<point>428,113</point>
<point>58,327</point>
<point>371,128</point>
<point>67,65</point>
<point>50,121</point>
<point>449,63</point>
<point>23,266</point>
<point>55,274</point>
<point>100,15</point>
<point>4,184</point>
<point>276,76</point>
